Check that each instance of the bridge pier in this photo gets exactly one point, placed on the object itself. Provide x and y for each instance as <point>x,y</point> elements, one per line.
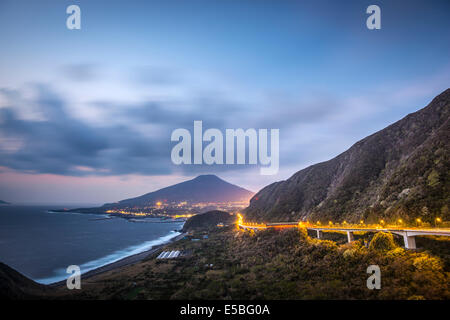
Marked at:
<point>350,237</point>
<point>410,241</point>
<point>319,234</point>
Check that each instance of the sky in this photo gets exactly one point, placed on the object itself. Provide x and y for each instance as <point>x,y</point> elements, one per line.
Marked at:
<point>86,115</point>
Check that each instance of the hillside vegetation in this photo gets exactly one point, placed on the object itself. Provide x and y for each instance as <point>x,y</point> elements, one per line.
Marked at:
<point>208,220</point>
<point>400,171</point>
<point>275,264</point>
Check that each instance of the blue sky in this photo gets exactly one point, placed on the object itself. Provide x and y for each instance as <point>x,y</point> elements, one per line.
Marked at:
<point>86,115</point>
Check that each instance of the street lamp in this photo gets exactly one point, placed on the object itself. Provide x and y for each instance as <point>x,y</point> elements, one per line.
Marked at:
<point>438,220</point>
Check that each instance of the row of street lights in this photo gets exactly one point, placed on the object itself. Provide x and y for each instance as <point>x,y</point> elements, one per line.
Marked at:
<point>381,222</point>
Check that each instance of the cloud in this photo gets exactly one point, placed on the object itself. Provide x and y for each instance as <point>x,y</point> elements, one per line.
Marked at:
<point>153,75</point>
<point>82,72</point>
<point>134,137</point>
<point>62,144</point>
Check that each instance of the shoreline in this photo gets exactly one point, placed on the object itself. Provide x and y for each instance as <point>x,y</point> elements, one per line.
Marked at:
<point>130,218</point>
<point>126,261</point>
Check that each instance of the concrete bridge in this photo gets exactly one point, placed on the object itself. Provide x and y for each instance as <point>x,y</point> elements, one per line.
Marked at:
<point>407,234</point>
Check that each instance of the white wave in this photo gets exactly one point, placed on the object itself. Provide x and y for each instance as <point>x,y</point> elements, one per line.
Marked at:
<point>111,258</point>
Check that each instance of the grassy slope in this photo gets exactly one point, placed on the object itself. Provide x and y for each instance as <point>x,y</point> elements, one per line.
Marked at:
<point>276,265</point>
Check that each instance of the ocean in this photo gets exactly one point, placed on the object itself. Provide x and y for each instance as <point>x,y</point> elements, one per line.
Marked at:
<point>42,244</point>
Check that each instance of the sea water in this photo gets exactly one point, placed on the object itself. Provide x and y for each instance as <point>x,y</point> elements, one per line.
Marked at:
<point>41,244</point>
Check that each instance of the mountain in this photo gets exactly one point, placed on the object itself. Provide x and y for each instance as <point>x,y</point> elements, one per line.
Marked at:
<point>204,188</point>
<point>14,285</point>
<point>4,202</point>
<point>400,171</point>
<point>208,220</point>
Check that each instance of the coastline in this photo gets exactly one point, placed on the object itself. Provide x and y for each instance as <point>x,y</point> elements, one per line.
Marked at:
<point>126,261</point>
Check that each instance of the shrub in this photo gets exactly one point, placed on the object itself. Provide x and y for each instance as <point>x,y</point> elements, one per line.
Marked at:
<point>425,262</point>
<point>415,297</point>
<point>382,241</point>
<point>397,252</point>
<point>349,253</point>
<point>303,233</point>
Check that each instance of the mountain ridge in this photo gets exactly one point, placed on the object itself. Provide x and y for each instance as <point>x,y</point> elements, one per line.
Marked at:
<point>203,188</point>
<point>399,171</point>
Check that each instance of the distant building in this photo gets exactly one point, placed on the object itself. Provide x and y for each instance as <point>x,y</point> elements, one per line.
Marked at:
<point>169,254</point>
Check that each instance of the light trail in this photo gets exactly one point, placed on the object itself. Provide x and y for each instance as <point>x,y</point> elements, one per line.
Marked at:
<point>408,234</point>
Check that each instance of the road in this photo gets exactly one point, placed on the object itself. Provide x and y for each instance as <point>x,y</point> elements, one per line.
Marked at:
<point>408,234</point>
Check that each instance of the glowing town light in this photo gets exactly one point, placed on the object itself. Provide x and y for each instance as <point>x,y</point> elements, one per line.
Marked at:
<point>240,219</point>
<point>438,220</point>
<point>418,220</point>
<point>159,203</point>
<point>400,221</point>
<point>361,221</point>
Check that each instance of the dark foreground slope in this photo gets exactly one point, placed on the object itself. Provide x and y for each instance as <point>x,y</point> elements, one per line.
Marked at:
<point>402,170</point>
<point>14,285</point>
